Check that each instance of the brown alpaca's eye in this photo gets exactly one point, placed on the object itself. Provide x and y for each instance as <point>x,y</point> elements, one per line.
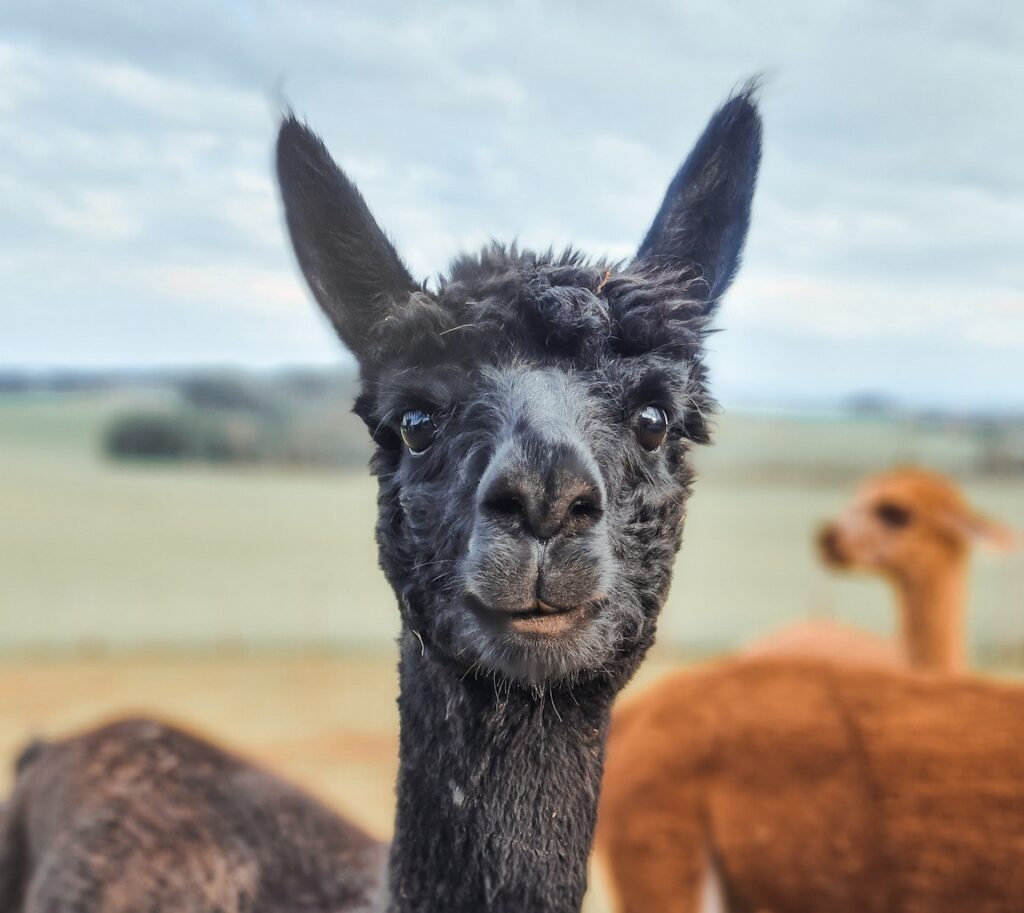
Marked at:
<point>651,427</point>
<point>417,429</point>
<point>892,515</point>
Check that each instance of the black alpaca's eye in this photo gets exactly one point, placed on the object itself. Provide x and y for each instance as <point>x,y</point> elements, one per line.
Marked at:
<point>417,429</point>
<point>651,427</point>
<point>892,515</point>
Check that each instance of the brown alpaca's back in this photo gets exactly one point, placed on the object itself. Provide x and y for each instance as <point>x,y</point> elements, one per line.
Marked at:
<point>811,787</point>
<point>823,638</point>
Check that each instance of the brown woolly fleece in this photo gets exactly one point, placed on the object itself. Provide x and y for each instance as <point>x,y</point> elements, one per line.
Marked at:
<point>802,786</point>
<point>825,638</point>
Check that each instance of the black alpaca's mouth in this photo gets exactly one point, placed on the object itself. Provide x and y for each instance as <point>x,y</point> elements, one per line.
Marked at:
<point>537,620</point>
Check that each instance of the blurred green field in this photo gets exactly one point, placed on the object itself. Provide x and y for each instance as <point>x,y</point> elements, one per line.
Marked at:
<point>103,555</point>
<point>247,601</point>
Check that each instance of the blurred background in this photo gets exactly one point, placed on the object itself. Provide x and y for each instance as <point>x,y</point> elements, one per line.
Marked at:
<point>185,513</point>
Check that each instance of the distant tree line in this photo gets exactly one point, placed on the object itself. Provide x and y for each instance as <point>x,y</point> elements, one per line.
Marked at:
<point>298,418</point>
<point>302,417</point>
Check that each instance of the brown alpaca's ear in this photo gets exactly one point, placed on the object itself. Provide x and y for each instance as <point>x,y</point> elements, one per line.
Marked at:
<point>987,532</point>
<point>703,221</point>
<point>351,267</point>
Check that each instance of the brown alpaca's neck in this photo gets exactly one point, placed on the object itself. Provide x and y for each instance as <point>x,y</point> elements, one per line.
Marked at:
<point>932,617</point>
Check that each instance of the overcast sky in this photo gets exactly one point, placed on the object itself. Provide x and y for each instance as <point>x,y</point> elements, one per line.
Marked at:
<point>140,225</point>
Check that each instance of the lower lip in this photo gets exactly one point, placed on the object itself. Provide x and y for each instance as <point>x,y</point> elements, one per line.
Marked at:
<point>541,624</point>
<point>548,622</point>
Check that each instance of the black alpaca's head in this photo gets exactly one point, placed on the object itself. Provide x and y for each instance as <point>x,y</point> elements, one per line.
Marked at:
<point>533,413</point>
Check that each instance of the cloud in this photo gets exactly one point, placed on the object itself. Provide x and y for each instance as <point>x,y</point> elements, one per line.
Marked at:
<point>864,310</point>
<point>135,150</point>
<point>252,290</point>
<point>100,214</point>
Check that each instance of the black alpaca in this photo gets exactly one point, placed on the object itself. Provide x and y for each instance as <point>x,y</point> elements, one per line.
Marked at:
<point>532,416</point>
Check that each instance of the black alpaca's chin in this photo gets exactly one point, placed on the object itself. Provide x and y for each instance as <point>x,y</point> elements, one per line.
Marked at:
<point>535,608</point>
<point>539,647</point>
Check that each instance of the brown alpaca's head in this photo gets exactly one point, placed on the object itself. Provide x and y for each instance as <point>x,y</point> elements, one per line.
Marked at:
<point>905,524</point>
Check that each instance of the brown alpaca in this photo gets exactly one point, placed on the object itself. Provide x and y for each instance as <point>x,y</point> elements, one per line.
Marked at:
<point>914,528</point>
<point>802,786</point>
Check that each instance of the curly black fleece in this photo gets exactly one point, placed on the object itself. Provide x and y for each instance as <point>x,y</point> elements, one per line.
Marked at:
<point>496,319</point>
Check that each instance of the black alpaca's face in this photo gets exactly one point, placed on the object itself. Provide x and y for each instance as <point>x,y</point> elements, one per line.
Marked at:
<point>533,481</point>
<point>532,414</point>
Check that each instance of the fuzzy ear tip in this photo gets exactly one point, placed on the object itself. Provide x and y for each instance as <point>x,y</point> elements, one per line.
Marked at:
<point>740,116</point>
<point>1004,539</point>
<point>291,129</point>
<point>748,94</point>
<point>296,142</point>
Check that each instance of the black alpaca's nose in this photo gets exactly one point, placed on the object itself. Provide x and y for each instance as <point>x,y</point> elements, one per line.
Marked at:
<point>550,491</point>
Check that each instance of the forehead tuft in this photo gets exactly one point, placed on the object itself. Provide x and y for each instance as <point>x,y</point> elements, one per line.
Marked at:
<point>502,303</point>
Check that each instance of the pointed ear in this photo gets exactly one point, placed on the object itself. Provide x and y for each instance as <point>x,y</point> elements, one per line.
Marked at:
<point>990,533</point>
<point>351,267</point>
<point>703,221</point>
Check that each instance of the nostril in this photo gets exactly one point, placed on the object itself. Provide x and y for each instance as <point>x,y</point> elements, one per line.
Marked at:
<point>559,495</point>
<point>585,507</point>
<point>505,504</point>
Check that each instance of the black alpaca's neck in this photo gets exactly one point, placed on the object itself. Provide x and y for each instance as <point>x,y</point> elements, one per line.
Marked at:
<point>497,792</point>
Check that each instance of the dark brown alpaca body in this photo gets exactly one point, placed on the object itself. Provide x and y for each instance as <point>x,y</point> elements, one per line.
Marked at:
<point>814,787</point>
<point>159,819</point>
